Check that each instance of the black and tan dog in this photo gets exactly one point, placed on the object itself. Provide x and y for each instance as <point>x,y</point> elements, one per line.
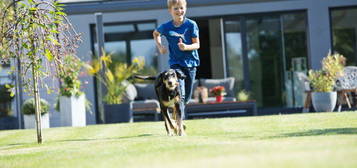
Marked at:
<point>168,92</point>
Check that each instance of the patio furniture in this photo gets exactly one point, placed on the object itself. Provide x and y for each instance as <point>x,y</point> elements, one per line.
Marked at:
<point>345,86</point>
<point>144,110</point>
<point>227,83</point>
<point>223,109</point>
<point>144,103</point>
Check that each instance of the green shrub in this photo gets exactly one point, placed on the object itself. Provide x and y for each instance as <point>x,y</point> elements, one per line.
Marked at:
<point>28,107</point>
<point>69,76</point>
<point>324,80</point>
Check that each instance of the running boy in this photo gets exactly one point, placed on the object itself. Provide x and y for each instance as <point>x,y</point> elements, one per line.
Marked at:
<point>183,38</point>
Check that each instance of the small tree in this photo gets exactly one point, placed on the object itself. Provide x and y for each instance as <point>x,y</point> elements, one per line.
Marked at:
<point>38,33</point>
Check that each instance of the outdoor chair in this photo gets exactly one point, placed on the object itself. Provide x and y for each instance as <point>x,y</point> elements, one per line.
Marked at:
<point>346,86</point>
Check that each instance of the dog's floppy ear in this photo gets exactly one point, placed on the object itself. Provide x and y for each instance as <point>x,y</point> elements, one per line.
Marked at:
<point>159,80</point>
<point>180,74</point>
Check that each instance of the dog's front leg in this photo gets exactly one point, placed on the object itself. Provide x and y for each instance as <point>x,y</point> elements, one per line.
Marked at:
<point>165,117</point>
<point>179,120</point>
<point>174,119</point>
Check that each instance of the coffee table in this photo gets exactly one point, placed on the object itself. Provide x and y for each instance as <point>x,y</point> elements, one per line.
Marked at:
<point>223,109</point>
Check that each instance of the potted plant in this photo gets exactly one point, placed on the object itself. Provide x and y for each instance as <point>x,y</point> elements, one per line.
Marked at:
<point>218,92</point>
<point>28,109</point>
<point>71,98</point>
<point>114,76</point>
<point>324,96</point>
<point>243,96</point>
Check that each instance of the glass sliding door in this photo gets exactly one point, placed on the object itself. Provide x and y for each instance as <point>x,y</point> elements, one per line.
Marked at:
<point>265,59</point>
<point>344,29</point>
<point>295,54</point>
<point>264,53</point>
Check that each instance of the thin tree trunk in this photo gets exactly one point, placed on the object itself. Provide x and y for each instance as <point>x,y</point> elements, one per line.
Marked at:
<point>35,76</point>
<point>37,105</point>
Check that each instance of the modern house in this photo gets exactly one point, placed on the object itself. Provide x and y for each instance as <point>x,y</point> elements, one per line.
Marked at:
<point>262,43</point>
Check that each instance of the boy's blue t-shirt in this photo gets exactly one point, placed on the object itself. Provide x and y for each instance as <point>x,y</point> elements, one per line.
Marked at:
<point>186,31</point>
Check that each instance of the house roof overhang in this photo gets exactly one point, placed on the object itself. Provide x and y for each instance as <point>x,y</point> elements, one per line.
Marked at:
<point>92,6</point>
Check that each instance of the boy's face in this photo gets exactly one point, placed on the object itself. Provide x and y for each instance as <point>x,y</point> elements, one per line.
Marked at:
<point>178,11</point>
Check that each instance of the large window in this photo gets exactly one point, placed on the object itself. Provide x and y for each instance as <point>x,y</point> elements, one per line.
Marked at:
<point>344,30</point>
<point>126,41</point>
<point>264,53</point>
<point>8,115</point>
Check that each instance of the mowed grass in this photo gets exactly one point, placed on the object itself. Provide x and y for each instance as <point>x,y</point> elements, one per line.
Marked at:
<point>300,140</point>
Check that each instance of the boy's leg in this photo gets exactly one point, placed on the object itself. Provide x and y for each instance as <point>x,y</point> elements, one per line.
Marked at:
<point>190,77</point>
<point>186,86</point>
<point>182,90</point>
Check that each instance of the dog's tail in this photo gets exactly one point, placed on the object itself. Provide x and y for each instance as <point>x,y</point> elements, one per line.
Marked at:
<point>145,77</point>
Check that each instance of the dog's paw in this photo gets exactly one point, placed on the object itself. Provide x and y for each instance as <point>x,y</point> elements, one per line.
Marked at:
<point>182,133</point>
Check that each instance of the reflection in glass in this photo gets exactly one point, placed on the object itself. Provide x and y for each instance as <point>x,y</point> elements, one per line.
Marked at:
<point>344,29</point>
<point>8,116</point>
<point>295,51</point>
<point>128,41</point>
<point>276,51</point>
<point>146,26</point>
<point>117,49</point>
<point>234,53</point>
<point>145,49</point>
<point>265,59</point>
<point>119,28</point>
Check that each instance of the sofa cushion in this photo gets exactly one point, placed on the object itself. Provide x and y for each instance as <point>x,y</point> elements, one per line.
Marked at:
<point>227,83</point>
<point>145,104</point>
<point>145,91</point>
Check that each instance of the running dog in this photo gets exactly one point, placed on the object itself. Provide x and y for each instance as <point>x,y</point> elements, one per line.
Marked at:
<point>168,92</point>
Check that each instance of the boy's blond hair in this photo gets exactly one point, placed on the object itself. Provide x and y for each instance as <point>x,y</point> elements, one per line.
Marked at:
<point>171,3</point>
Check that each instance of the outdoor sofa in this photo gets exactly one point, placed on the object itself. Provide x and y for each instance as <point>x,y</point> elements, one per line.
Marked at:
<point>145,106</point>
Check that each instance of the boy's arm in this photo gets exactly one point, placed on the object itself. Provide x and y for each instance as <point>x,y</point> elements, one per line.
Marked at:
<point>189,47</point>
<point>157,38</point>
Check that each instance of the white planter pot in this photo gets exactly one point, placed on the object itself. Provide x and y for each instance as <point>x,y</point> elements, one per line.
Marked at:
<point>324,101</point>
<point>73,111</point>
<point>30,121</point>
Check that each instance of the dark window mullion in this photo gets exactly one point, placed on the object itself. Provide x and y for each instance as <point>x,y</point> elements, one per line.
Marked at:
<point>128,51</point>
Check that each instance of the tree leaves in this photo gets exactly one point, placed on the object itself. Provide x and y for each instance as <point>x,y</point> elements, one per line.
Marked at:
<point>48,55</point>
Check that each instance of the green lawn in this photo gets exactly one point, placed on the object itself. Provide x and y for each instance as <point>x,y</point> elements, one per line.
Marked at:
<point>302,140</point>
